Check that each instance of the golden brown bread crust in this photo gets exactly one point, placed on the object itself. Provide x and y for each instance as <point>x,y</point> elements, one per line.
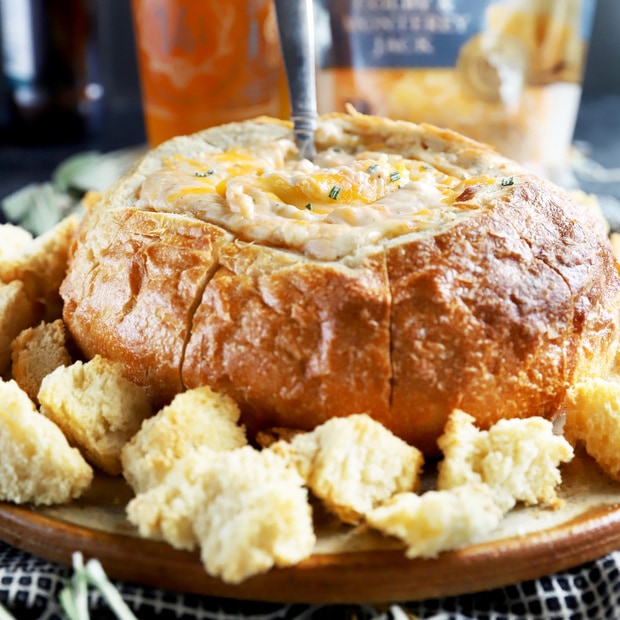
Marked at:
<point>494,309</point>
<point>496,317</point>
<point>139,296</point>
<point>297,341</point>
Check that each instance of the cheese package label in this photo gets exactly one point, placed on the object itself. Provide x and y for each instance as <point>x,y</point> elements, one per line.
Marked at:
<point>505,72</point>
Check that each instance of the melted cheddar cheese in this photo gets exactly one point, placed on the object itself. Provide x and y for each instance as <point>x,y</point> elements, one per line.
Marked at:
<point>326,209</point>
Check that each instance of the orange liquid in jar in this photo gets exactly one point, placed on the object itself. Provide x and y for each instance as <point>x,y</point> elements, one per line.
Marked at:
<point>207,62</point>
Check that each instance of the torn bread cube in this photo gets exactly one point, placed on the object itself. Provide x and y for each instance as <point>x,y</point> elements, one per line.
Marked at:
<point>17,312</point>
<point>13,241</point>
<point>593,418</point>
<point>353,464</point>
<point>41,265</point>
<point>198,417</point>
<point>246,509</point>
<point>96,407</point>
<point>36,352</point>
<point>37,465</point>
<point>518,458</point>
<point>438,521</point>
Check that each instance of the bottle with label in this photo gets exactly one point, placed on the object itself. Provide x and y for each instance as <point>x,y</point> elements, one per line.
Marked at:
<point>206,62</point>
<point>51,69</point>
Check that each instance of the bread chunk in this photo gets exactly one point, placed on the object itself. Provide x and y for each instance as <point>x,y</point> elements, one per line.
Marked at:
<point>198,417</point>
<point>245,508</point>
<point>438,521</point>
<point>518,459</point>
<point>593,418</point>
<point>353,464</point>
<point>37,465</point>
<point>41,265</point>
<point>36,352</point>
<point>96,408</point>
<point>13,241</point>
<point>17,312</point>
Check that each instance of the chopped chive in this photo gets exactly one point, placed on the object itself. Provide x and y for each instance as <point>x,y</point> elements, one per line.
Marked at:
<point>395,176</point>
<point>372,168</point>
<point>334,192</point>
<point>205,174</point>
<point>309,206</point>
<point>508,181</point>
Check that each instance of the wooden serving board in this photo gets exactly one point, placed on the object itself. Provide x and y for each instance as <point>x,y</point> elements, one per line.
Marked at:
<point>348,565</point>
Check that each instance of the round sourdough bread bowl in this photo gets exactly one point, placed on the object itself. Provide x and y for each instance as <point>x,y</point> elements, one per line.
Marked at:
<point>406,272</point>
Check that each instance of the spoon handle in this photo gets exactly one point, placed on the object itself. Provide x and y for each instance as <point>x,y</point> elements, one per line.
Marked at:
<point>296,28</point>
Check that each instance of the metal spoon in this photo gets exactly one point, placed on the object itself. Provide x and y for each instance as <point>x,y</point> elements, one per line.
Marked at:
<point>296,28</point>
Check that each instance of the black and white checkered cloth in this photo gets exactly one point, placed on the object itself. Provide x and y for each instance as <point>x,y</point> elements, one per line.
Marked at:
<point>29,588</point>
